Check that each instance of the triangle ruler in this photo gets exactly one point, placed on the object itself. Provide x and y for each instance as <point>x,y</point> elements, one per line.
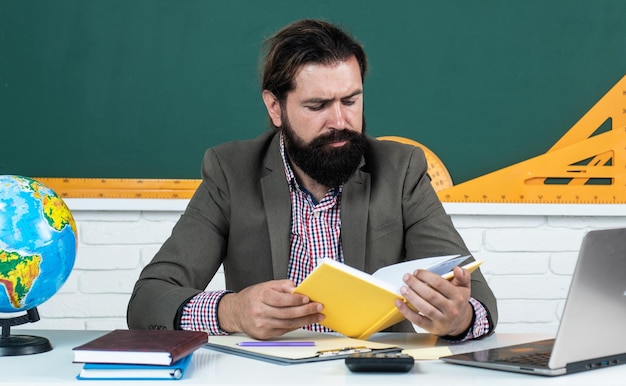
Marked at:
<point>586,166</point>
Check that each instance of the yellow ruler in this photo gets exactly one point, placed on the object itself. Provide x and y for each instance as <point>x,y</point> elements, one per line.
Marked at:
<point>586,166</point>
<point>121,187</point>
<point>184,188</point>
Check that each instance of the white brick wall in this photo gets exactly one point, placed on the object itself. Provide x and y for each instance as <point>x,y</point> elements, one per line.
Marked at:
<point>529,260</point>
<point>529,255</point>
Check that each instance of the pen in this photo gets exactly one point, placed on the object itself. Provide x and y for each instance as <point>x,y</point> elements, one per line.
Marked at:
<point>470,267</point>
<point>275,343</point>
<point>343,351</point>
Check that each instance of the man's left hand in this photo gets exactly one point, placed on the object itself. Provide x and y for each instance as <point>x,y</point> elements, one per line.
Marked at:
<point>443,306</point>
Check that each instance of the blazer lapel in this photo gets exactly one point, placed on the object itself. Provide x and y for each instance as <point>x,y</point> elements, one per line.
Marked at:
<point>277,208</point>
<point>354,210</point>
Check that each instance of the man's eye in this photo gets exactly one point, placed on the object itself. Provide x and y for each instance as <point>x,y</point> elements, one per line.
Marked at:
<point>349,102</point>
<point>315,107</point>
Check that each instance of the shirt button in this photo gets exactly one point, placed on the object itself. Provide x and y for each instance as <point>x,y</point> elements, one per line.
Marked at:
<point>316,214</point>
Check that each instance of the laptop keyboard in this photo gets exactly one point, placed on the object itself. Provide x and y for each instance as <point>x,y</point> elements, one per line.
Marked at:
<point>536,359</point>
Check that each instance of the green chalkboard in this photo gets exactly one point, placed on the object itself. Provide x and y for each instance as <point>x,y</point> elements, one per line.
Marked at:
<point>139,89</point>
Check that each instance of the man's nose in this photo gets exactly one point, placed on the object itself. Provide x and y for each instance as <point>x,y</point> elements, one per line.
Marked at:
<point>338,118</point>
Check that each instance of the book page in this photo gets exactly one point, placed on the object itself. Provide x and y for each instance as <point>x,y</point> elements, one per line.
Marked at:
<point>392,274</point>
<point>380,282</point>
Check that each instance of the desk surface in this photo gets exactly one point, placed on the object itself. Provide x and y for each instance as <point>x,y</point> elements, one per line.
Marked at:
<point>215,368</point>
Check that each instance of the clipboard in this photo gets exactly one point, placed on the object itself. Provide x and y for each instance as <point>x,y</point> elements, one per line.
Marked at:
<point>326,347</point>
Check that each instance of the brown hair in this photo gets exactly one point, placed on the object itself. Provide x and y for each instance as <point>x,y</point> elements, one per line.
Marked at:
<point>302,42</point>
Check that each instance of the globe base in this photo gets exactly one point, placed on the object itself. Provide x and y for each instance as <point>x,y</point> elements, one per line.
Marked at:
<point>23,345</point>
<point>11,345</point>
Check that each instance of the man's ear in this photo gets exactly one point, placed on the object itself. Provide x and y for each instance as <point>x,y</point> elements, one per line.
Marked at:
<point>273,107</point>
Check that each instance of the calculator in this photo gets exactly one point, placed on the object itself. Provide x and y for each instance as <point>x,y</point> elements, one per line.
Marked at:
<point>380,362</point>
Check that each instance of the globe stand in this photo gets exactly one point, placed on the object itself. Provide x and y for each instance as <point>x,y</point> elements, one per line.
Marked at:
<point>11,345</point>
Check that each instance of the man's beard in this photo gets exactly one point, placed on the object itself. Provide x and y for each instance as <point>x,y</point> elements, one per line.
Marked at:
<point>327,165</point>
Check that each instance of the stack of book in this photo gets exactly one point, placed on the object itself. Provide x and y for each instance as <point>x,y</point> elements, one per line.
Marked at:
<point>138,354</point>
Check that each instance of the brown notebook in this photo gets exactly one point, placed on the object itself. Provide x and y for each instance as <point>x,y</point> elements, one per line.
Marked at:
<point>151,347</point>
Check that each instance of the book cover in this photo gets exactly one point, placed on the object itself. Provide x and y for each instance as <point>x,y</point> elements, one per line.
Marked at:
<point>117,371</point>
<point>357,304</point>
<point>149,347</point>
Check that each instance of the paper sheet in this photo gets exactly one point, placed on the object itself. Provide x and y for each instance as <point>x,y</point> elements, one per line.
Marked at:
<point>428,353</point>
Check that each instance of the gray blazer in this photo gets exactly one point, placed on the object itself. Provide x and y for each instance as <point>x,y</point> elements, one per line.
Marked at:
<point>240,216</point>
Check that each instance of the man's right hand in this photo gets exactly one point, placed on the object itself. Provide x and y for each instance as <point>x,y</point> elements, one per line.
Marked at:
<point>266,310</point>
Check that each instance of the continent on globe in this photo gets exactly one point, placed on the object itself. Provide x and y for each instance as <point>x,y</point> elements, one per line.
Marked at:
<point>54,209</point>
<point>18,274</point>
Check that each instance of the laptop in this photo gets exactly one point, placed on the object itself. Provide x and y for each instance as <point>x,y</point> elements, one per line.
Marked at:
<point>591,334</point>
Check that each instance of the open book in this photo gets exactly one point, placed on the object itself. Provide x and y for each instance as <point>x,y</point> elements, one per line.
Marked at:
<point>357,304</point>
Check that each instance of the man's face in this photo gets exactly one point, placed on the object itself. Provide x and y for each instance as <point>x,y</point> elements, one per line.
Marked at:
<point>322,119</point>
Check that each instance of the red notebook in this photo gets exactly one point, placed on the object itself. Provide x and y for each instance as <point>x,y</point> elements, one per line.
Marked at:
<point>150,347</point>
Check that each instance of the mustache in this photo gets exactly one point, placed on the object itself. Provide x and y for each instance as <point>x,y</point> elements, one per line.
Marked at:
<point>335,136</point>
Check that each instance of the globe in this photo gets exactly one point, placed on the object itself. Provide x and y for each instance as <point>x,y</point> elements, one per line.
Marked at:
<point>37,245</point>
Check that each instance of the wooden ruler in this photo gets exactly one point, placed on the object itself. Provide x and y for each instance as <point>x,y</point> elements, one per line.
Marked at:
<point>586,166</point>
<point>184,188</point>
<point>438,173</point>
<point>121,187</point>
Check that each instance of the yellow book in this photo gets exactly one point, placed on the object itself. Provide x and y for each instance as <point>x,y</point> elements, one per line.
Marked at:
<point>357,304</point>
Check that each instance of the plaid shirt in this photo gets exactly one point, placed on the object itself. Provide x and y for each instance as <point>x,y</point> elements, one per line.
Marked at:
<point>315,235</point>
<point>315,230</point>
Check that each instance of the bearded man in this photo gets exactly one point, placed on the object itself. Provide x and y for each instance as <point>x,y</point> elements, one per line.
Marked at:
<point>315,186</point>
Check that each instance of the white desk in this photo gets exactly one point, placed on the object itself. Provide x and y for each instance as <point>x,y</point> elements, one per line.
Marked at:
<point>214,368</point>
